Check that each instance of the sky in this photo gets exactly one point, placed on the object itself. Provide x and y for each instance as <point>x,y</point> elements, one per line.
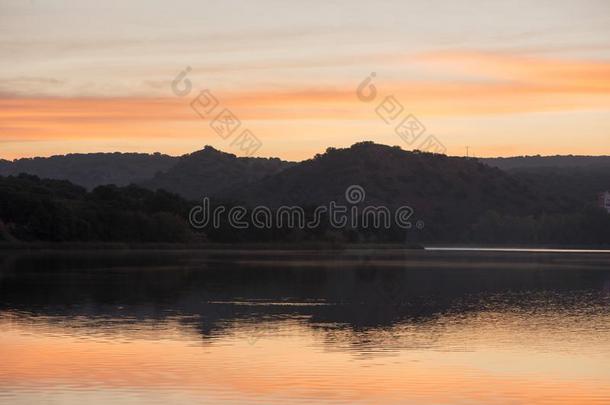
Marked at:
<point>487,78</point>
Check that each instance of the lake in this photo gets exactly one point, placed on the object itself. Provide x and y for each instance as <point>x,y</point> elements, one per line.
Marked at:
<point>304,327</point>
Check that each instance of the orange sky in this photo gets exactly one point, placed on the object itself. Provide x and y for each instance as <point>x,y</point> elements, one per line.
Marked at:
<point>500,87</point>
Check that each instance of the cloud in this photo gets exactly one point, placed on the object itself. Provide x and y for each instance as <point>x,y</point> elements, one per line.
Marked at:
<point>552,74</point>
<point>464,84</point>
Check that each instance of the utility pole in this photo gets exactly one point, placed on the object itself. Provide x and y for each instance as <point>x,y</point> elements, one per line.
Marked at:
<point>467,147</point>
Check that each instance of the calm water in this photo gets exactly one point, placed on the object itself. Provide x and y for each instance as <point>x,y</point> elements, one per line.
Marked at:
<point>277,327</point>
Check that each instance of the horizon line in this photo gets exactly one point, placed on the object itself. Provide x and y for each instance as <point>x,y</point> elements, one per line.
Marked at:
<point>208,146</point>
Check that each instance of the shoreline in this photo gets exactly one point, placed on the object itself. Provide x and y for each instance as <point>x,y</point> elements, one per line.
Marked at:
<point>5,246</point>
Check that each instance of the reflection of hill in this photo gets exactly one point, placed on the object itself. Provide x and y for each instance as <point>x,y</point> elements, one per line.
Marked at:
<point>359,290</point>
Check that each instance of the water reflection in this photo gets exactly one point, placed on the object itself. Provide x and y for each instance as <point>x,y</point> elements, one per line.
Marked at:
<point>289,327</point>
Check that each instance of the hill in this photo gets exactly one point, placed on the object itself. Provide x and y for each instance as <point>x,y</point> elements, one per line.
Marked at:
<point>92,169</point>
<point>456,200</point>
<point>210,172</point>
<point>390,176</point>
<point>557,161</point>
<point>34,209</point>
<point>578,179</point>
<point>449,193</point>
<point>204,172</point>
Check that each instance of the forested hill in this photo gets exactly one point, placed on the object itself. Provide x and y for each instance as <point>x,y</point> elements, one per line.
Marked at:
<point>394,176</point>
<point>210,172</point>
<point>558,161</point>
<point>579,179</point>
<point>459,200</point>
<point>92,169</point>
<point>207,171</point>
<point>34,209</point>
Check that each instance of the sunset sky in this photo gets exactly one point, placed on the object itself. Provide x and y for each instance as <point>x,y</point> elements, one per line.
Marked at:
<point>503,78</point>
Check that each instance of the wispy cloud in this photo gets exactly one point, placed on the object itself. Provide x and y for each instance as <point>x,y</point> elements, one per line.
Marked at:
<point>293,69</point>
